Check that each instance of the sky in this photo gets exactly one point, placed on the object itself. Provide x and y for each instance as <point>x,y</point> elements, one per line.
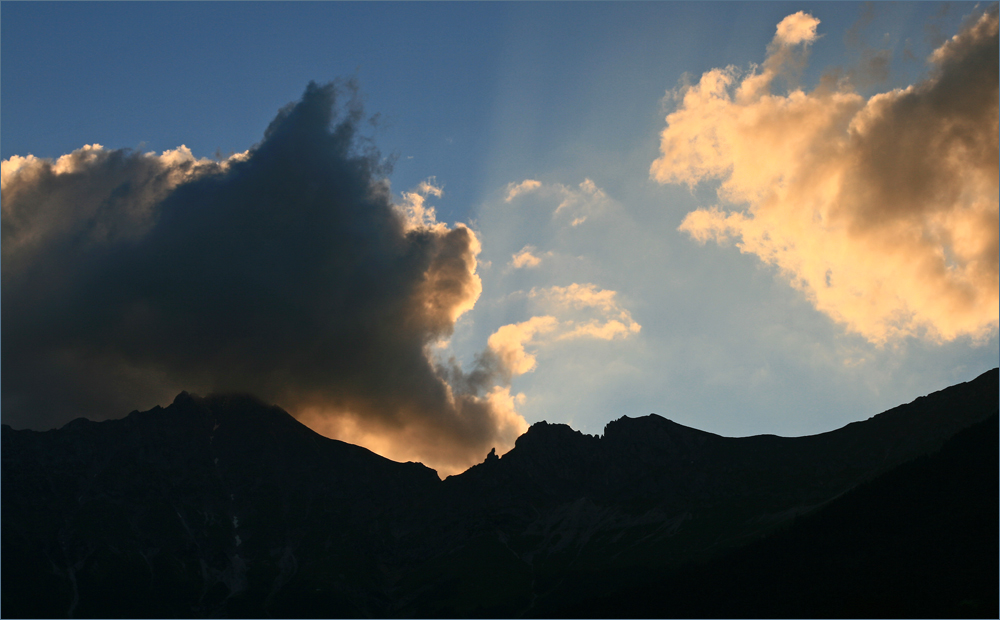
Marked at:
<point>422,227</point>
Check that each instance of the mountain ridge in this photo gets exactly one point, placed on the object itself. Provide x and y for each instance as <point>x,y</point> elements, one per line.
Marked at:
<point>227,505</point>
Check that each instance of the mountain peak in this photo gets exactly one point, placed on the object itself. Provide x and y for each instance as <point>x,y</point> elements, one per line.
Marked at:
<point>542,435</point>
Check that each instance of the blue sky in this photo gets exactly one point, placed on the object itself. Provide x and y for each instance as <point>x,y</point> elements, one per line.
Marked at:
<point>481,97</point>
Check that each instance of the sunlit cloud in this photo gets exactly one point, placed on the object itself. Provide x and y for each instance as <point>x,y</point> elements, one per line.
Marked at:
<point>525,258</point>
<point>416,212</point>
<point>429,187</point>
<point>409,442</point>
<point>524,187</point>
<point>574,311</point>
<point>508,342</point>
<point>883,210</point>
<point>578,296</point>
<point>83,195</point>
<point>786,56</point>
<point>579,202</point>
<point>612,320</point>
<point>796,28</point>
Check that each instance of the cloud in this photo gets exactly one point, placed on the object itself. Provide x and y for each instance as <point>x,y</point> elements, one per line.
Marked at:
<point>612,320</point>
<point>100,195</point>
<point>578,296</point>
<point>429,188</point>
<point>584,200</point>
<point>416,213</point>
<point>589,312</point>
<point>287,271</point>
<point>524,187</point>
<point>508,342</point>
<point>882,211</point>
<point>525,258</point>
<point>786,56</point>
<point>796,28</point>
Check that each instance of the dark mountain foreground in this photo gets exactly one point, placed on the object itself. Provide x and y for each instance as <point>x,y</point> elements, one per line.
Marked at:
<point>226,507</point>
<point>920,541</point>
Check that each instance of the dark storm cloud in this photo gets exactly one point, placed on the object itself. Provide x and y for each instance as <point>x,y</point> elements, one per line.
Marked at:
<point>287,272</point>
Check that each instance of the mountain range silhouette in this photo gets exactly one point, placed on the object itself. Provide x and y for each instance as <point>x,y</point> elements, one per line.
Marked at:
<point>225,506</point>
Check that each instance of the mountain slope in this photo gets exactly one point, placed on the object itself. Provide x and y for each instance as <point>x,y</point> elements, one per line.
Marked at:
<point>651,494</point>
<point>188,510</point>
<point>227,506</point>
<point>917,542</point>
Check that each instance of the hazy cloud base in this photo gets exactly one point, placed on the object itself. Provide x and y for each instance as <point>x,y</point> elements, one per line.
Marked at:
<point>286,271</point>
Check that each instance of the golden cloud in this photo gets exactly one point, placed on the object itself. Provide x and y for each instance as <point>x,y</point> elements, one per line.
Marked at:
<point>515,190</point>
<point>525,258</point>
<point>882,211</point>
<point>587,311</point>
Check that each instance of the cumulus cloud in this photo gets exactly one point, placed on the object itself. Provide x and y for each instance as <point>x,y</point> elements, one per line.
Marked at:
<point>882,210</point>
<point>796,28</point>
<point>417,214</point>
<point>508,342</point>
<point>287,271</point>
<point>524,187</point>
<point>586,312</point>
<point>525,258</point>
<point>100,195</point>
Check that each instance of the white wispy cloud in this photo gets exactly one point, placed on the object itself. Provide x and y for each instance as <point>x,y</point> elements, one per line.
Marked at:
<point>581,201</point>
<point>574,311</point>
<point>525,258</point>
<point>524,187</point>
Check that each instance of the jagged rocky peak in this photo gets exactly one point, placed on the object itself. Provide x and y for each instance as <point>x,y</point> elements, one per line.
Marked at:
<point>627,425</point>
<point>544,435</point>
<point>645,425</point>
<point>551,451</point>
<point>654,438</point>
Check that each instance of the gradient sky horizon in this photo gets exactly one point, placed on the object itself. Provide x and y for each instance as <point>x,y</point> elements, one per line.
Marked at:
<point>630,263</point>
